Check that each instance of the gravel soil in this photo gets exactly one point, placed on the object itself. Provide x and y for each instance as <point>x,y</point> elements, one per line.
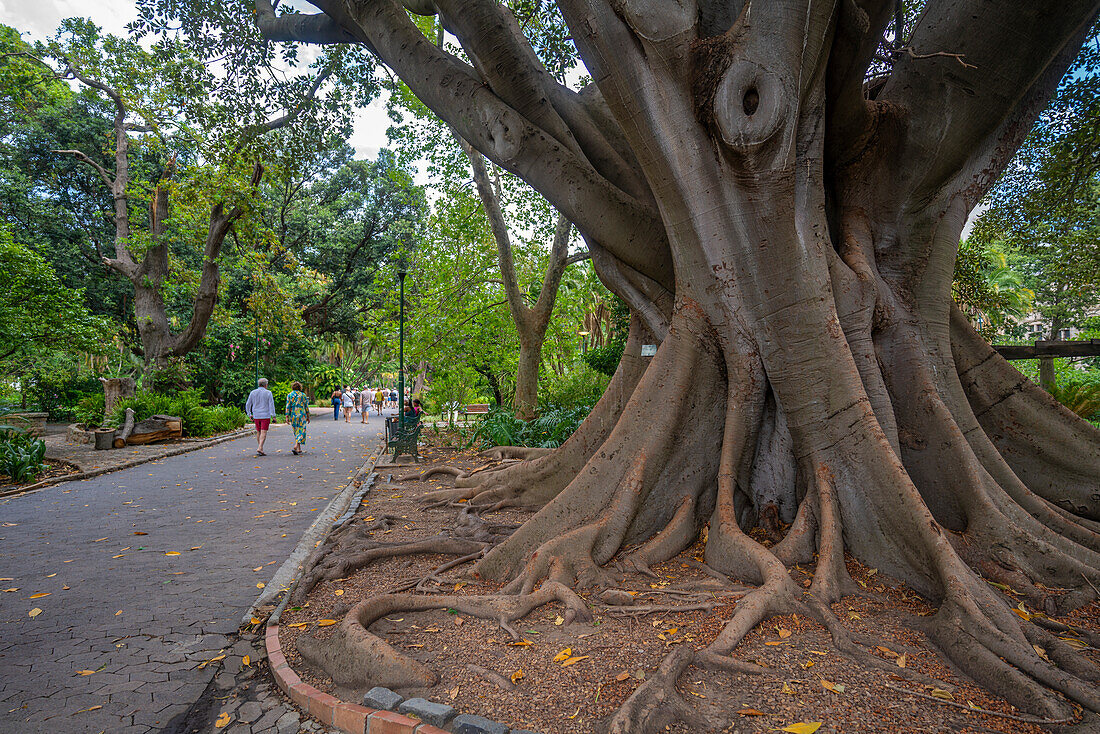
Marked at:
<point>811,681</point>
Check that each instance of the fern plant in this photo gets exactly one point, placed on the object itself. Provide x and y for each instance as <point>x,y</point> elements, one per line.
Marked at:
<point>1083,398</point>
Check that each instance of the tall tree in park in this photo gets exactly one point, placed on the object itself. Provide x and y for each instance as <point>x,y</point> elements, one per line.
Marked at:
<point>785,225</point>
<point>175,150</point>
<point>531,320</point>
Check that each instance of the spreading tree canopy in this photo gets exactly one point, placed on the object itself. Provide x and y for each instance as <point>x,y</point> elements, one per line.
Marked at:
<point>777,189</point>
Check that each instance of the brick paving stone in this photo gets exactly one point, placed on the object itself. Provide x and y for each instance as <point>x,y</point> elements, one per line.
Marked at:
<point>152,648</point>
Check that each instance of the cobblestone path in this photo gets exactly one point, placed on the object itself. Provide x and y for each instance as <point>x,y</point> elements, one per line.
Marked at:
<point>142,575</point>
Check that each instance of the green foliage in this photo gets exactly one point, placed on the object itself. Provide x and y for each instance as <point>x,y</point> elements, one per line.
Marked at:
<point>580,387</point>
<point>21,455</point>
<point>198,419</point>
<point>990,292</point>
<point>501,427</point>
<point>89,410</point>
<point>1083,398</point>
<point>1046,208</point>
<point>38,313</point>
<point>605,359</point>
<point>279,391</point>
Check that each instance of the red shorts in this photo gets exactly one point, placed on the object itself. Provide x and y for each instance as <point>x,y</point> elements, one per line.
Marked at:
<point>262,423</point>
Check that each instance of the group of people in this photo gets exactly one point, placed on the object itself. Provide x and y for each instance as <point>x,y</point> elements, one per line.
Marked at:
<point>355,400</point>
<point>260,407</point>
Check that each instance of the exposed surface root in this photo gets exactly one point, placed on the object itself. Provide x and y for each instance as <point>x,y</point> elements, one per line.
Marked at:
<point>356,658</point>
<point>655,704</point>
<point>515,452</point>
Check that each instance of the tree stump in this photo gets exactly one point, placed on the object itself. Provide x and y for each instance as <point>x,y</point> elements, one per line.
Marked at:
<point>104,438</point>
<point>114,389</point>
<point>127,429</point>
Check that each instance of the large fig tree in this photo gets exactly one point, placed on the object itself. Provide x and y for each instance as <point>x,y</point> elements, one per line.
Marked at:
<point>779,197</point>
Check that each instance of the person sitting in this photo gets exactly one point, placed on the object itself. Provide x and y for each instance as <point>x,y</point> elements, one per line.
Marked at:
<point>418,408</point>
<point>410,412</point>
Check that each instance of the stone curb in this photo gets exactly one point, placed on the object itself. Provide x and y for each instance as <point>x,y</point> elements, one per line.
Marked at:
<point>127,465</point>
<point>331,711</point>
<point>347,499</point>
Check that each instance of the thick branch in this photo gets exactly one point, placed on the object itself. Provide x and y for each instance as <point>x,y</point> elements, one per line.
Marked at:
<point>967,121</point>
<point>207,295</point>
<point>305,28</point>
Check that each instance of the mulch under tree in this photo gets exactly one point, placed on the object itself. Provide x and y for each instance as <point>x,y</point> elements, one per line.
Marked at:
<point>389,600</point>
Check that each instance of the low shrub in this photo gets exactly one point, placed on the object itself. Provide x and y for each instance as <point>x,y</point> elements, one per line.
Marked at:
<point>21,455</point>
<point>89,410</point>
<point>198,419</point>
<point>501,427</point>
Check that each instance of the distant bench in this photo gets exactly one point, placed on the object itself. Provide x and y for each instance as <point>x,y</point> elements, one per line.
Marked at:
<point>475,409</point>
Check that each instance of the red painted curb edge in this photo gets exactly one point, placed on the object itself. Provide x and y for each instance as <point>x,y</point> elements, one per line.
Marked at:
<point>331,711</point>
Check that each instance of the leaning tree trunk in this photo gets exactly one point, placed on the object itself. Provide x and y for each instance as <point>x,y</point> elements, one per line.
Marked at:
<point>807,225</point>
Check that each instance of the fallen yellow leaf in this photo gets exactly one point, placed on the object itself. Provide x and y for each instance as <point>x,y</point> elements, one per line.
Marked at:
<point>171,553</point>
<point>39,595</point>
<point>118,612</point>
<point>325,622</point>
<point>574,660</point>
<point>830,686</point>
<point>522,643</point>
<point>901,660</point>
<point>803,727</point>
<point>255,620</point>
<point>222,720</point>
<point>34,612</point>
<point>260,585</point>
<point>90,708</point>
<point>299,625</point>
<point>563,655</point>
<point>339,592</point>
<point>85,672</point>
<point>246,661</point>
<point>940,693</point>
<point>784,633</point>
<point>515,677</point>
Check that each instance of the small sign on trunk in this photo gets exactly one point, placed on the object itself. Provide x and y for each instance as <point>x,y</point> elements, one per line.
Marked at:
<point>648,350</point>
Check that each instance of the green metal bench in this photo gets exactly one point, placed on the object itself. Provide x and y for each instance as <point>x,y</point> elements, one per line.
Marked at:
<point>403,441</point>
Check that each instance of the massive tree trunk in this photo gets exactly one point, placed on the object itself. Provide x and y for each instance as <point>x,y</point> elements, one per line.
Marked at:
<point>807,226</point>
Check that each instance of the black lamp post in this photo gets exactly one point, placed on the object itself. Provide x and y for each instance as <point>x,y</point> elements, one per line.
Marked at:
<point>401,272</point>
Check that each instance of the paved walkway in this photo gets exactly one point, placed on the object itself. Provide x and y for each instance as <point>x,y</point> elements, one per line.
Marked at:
<point>147,573</point>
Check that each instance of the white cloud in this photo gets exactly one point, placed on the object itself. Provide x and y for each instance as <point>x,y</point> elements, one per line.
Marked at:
<point>40,18</point>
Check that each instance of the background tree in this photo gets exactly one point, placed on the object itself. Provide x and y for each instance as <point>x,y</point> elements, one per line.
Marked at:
<point>1046,208</point>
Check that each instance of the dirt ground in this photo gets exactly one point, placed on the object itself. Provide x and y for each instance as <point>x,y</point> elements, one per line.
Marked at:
<point>559,678</point>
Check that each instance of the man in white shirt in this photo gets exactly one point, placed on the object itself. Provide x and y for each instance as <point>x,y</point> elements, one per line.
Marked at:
<point>260,407</point>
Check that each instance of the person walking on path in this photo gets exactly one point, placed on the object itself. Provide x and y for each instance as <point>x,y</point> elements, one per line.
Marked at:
<point>365,396</point>
<point>349,405</point>
<point>378,400</point>
<point>337,401</point>
<point>297,415</point>
<point>260,407</point>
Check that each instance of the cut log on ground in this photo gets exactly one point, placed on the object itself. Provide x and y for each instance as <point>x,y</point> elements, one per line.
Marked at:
<point>151,430</point>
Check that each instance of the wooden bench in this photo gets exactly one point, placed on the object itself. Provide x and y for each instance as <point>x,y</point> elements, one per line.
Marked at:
<point>475,409</point>
<point>403,441</point>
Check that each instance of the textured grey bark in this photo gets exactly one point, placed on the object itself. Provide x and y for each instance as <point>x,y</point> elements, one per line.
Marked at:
<point>788,235</point>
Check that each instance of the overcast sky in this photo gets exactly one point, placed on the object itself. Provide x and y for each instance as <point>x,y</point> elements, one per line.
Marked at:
<point>39,18</point>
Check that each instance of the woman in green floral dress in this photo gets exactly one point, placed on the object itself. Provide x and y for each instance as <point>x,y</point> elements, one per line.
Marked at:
<point>297,415</point>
